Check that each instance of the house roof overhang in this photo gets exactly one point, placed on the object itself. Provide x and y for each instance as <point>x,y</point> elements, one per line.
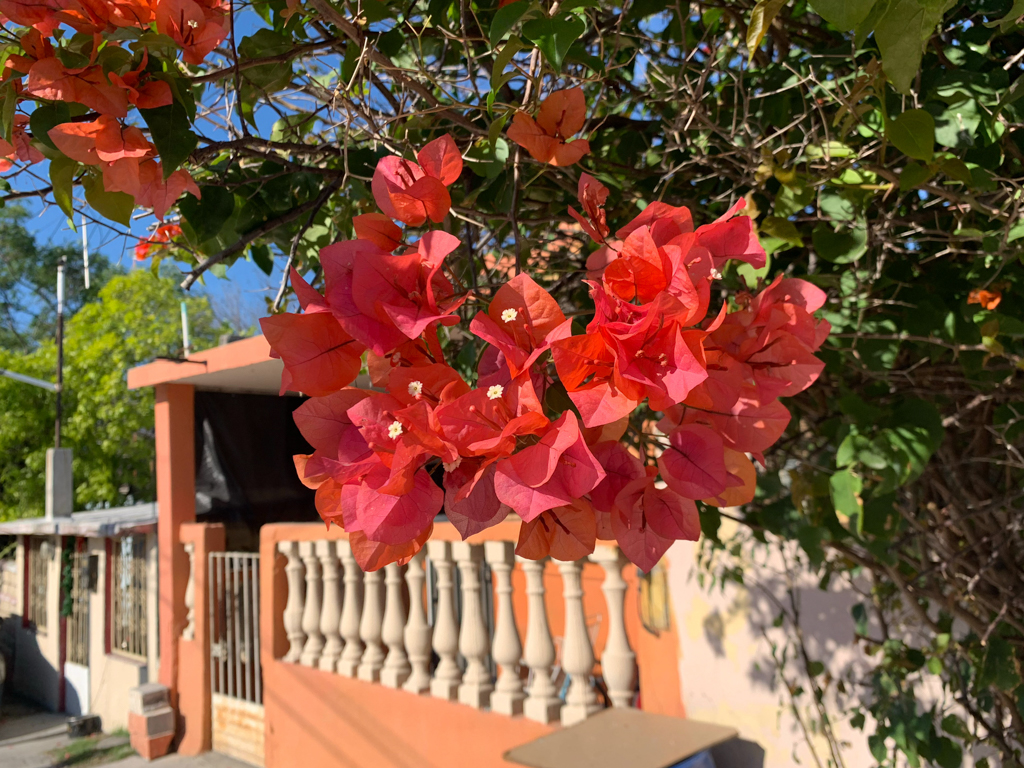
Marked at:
<point>119,521</point>
<point>242,366</point>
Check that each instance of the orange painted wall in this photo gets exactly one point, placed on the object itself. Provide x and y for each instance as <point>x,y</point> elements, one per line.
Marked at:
<point>175,493</point>
<point>334,721</point>
<point>194,655</point>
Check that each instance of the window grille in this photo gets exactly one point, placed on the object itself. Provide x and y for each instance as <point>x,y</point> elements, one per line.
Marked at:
<point>129,596</point>
<point>78,618</point>
<point>38,563</point>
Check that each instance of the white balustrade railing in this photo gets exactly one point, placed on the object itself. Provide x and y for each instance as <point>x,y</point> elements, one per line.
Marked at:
<point>374,626</point>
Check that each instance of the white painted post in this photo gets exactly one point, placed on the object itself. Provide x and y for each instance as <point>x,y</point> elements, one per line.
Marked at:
<point>618,662</point>
<point>330,614</point>
<point>447,676</point>
<point>189,632</point>
<point>293,608</point>
<point>351,612</point>
<point>474,644</point>
<point>542,703</point>
<point>577,652</point>
<point>506,648</point>
<point>311,610</point>
<point>371,625</point>
<point>396,666</point>
<point>417,631</point>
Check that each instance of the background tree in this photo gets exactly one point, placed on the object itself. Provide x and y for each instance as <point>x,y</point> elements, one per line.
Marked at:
<point>134,318</point>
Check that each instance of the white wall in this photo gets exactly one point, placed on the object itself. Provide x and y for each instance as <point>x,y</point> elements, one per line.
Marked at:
<point>37,651</point>
<point>725,664</point>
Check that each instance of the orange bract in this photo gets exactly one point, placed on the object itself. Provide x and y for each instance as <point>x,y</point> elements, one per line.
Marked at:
<point>988,299</point>
<point>561,115</point>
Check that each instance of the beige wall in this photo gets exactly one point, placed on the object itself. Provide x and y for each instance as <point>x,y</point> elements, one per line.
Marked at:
<point>110,674</point>
<point>37,651</point>
<point>726,666</point>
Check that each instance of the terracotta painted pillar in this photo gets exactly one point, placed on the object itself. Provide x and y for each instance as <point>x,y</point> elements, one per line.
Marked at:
<point>176,501</point>
<point>194,654</point>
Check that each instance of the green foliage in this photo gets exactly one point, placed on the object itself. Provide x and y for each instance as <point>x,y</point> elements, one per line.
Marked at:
<point>133,319</point>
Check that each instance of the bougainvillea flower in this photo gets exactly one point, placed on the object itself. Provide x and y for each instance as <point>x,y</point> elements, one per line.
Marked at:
<point>487,420</point>
<point>411,192</point>
<point>20,147</point>
<point>987,299</point>
<point>163,236</point>
<point>693,464</point>
<point>339,450</point>
<point>620,468</point>
<point>740,484</point>
<point>387,518</point>
<point>666,222</point>
<point>640,271</point>
<point>553,472</point>
<point>50,79</point>
<point>746,425</point>
<point>647,519</point>
<point>319,356</point>
<point>561,116</point>
<point>480,508</point>
<point>36,47</point>
<point>185,22</point>
<point>592,195</point>
<point>522,321</point>
<point>373,555</point>
<point>383,300</point>
<point>142,90</point>
<point>565,533</point>
<point>159,193</point>
<point>379,230</point>
<point>733,237</point>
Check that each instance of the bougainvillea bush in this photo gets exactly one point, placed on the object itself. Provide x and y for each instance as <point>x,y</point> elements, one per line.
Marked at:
<point>538,431</point>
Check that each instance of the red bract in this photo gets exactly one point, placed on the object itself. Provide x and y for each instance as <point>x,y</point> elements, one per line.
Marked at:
<point>561,116</point>
<point>385,461</point>
<point>413,193</point>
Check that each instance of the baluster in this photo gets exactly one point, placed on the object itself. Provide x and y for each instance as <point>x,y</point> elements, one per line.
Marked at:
<point>618,662</point>
<point>473,641</point>
<point>577,652</point>
<point>396,666</point>
<point>447,675</point>
<point>311,610</point>
<point>351,612</point>
<point>293,609</point>
<point>330,614</point>
<point>370,626</point>
<point>542,703</point>
<point>417,631</point>
<point>506,649</point>
<point>189,632</point>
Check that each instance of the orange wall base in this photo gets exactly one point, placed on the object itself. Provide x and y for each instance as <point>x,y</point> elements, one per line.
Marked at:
<point>317,719</point>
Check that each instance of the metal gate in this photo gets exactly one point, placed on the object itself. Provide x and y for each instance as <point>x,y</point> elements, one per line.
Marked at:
<point>236,679</point>
<point>75,586</point>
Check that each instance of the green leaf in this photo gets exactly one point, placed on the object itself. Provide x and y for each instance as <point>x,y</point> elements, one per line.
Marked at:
<point>390,43</point>
<point>901,34</point>
<point>375,11</point>
<point>116,206</point>
<point>760,19</point>
<point>208,214</point>
<point>784,229</point>
<point>843,247</point>
<point>10,104</point>
<point>555,36</point>
<point>999,668</point>
<point>844,488</point>
<point>47,116</point>
<point>62,176</point>
<point>171,133</point>
<point>844,14</point>
<point>913,134</point>
<point>914,175</point>
<point>505,18</point>
<point>498,75</point>
<point>957,169</point>
<point>262,257</point>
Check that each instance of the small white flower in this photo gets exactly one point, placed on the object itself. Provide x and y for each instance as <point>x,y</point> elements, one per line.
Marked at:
<point>395,430</point>
<point>495,391</point>
<point>508,315</point>
<point>192,23</point>
<point>716,274</point>
<point>415,388</point>
<point>451,466</point>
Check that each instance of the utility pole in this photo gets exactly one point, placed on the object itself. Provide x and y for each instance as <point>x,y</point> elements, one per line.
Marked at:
<point>60,348</point>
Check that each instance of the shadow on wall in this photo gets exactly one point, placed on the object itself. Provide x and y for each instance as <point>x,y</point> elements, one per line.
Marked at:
<point>738,753</point>
<point>29,674</point>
